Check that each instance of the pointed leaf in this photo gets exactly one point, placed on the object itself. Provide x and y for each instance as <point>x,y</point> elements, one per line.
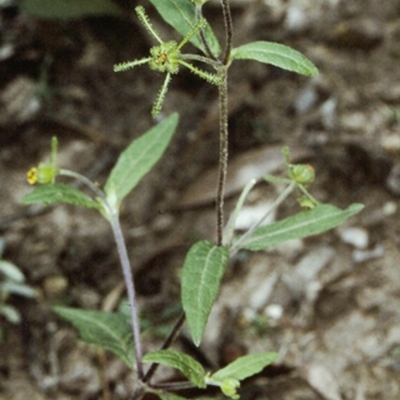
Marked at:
<point>201,277</point>
<point>245,366</point>
<point>137,159</point>
<point>192,369</point>
<point>11,271</point>
<point>110,331</point>
<point>181,15</point>
<point>276,54</point>
<point>10,313</point>
<point>20,289</point>
<point>307,223</point>
<point>59,193</point>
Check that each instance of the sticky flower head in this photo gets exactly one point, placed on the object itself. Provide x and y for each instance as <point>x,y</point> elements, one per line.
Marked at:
<point>167,57</point>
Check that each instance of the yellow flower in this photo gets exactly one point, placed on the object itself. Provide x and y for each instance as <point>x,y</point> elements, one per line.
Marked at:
<point>31,176</point>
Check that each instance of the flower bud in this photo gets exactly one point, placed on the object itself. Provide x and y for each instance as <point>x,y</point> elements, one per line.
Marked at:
<point>306,203</point>
<point>303,174</point>
<point>229,387</point>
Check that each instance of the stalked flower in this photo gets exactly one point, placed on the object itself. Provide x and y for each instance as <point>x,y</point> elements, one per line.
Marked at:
<point>45,173</point>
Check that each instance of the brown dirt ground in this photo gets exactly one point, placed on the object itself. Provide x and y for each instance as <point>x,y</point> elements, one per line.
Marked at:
<point>328,304</point>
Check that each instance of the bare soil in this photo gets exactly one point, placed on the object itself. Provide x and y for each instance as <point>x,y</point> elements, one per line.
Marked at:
<point>329,305</point>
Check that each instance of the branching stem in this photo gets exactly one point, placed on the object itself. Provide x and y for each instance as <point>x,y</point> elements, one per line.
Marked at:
<point>274,206</point>
<point>203,59</point>
<point>223,155</point>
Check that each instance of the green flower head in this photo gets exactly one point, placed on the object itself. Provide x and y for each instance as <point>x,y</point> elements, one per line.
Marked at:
<point>303,174</point>
<point>167,58</point>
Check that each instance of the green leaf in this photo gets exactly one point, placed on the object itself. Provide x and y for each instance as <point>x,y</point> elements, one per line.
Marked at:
<point>186,364</point>
<point>110,331</point>
<point>201,277</point>
<point>69,9</point>
<point>169,396</point>
<point>10,314</point>
<point>137,159</point>
<point>181,15</point>
<point>11,271</point>
<point>59,193</point>
<point>245,366</point>
<point>275,54</point>
<point>17,288</point>
<point>307,223</point>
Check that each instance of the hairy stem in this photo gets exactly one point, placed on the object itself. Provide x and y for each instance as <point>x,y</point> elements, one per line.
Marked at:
<point>226,11</point>
<point>223,151</point>
<point>203,59</point>
<point>174,385</point>
<point>223,120</point>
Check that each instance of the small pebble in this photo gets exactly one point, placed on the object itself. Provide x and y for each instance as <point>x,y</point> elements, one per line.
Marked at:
<point>296,19</point>
<point>389,208</point>
<point>357,237</point>
<point>393,180</point>
<point>54,286</point>
<point>391,143</point>
<point>360,256</point>
<point>274,311</point>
